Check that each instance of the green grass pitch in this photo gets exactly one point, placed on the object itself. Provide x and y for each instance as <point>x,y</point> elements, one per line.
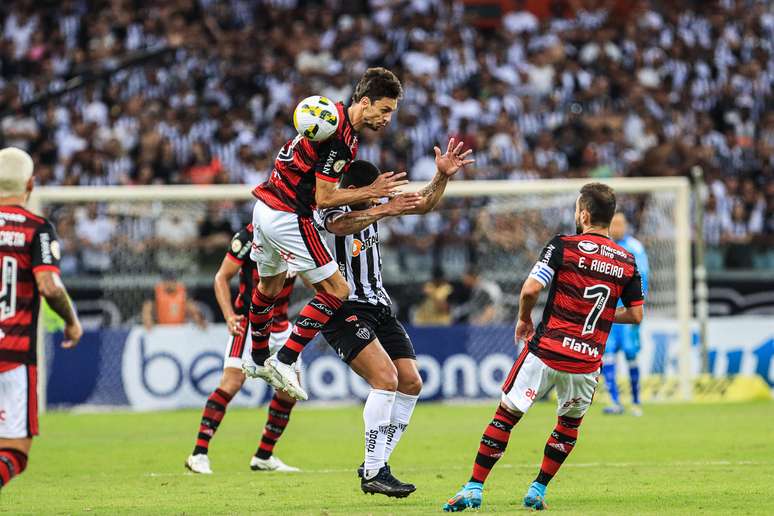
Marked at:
<point>686,459</point>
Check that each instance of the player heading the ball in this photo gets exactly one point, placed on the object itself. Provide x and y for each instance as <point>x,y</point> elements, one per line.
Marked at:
<point>305,177</point>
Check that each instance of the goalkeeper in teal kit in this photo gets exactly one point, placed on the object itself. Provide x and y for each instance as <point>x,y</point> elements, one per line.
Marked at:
<point>625,337</point>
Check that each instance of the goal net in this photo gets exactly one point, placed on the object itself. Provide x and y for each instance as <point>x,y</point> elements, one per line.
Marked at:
<point>118,243</point>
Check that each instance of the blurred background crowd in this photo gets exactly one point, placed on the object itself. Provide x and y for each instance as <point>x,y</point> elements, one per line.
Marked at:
<point>136,92</point>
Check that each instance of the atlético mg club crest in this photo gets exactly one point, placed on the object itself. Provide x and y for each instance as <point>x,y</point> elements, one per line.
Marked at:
<point>363,333</point>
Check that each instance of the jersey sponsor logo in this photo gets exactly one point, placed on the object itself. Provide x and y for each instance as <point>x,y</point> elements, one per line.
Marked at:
<point>13,217</point>
<point>580,347</point>
<point>339,165</point>
<point>612,252</point>
<point>56,250</point>
<point>358,246</point>
<point>12,239</point>
<point>330,162</point>
<point>549,251</point>
<point>45,248</point>
<point>588,247</point>
<point>531,394</point>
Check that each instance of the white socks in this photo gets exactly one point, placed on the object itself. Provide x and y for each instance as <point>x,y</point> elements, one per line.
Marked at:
<point>399,420</point>
<point>376,415</point>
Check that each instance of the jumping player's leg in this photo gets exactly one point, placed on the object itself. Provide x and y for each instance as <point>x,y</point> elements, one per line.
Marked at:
<point>214,412</point>
<point>278,418</point>
<point>526,382</point>
<point>575,393</point>
<point>18,389</point>
<point>298,243</point>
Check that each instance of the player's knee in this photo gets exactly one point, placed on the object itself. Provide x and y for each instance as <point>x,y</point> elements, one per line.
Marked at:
<point>508,407</point>
<point>270,289</point>
<point>385,379</point>
<point>570,422</point>
<point>284,397</point>
<point>335,285</point>
<point>411,384</point>
<point>232,382</point>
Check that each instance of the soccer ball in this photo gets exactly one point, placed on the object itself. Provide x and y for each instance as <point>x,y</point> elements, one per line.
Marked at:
<point>316,118</point>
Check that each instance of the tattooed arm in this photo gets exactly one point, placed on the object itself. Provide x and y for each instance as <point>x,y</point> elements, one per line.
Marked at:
<point>53,290</point>
<point>355,221</point>
<point>446,166</point>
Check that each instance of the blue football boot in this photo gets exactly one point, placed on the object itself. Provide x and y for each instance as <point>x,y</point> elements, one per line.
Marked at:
<point>469,497</point>
<point>536,497</point>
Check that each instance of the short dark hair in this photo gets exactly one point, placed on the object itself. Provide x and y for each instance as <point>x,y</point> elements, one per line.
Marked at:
<point>377,83</point>
<point>599,200</point>
<point>360,173</point>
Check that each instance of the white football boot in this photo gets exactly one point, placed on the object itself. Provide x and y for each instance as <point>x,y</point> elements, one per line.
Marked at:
<point>287,378</point>
<point>199,463</point>
<point>271,464</point>
<point>253,370</point>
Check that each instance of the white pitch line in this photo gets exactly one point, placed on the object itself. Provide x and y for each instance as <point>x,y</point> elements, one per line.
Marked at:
<point>675,464</point>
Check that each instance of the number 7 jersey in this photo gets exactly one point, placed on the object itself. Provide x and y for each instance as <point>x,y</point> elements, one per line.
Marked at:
<point>587,275</point>
<point>28,244</point>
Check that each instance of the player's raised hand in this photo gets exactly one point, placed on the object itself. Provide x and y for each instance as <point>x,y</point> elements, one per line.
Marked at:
<point>72,334</point>
<point>524,330</point>
<point>388,184</point>
<point>403,203</point>
<point>234,324</point>
<point>454,159</point>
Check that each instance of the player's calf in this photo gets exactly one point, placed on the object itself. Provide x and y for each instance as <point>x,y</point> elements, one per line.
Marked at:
<point>13,462</point>
<point>559,445</point>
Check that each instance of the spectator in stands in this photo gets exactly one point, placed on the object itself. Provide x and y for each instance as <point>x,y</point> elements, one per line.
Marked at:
<point>434,309</point>
<point>171,305</point>
<point>484,302</point>
<point>95,233</point>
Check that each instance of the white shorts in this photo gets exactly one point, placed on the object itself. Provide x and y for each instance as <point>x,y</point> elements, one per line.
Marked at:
<point>19,402</point>
<point>283,241</point>
<point>237,350</point>
<point>530,379</point>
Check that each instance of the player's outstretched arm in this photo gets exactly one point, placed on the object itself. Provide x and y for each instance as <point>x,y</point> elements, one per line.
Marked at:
<point>355,221</point>
<point>527,301</point>
<point>629,314</point>
<point>329,195</point>
<point>228,269</point>
<point>446,165</point>
<point>53,290</point>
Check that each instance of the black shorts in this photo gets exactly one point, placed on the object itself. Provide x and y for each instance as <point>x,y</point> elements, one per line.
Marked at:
<point>357,324</point>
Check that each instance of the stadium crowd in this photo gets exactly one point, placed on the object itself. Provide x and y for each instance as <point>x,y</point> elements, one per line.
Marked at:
<point>589,92</point>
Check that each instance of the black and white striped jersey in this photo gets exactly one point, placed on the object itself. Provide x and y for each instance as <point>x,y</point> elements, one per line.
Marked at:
<point>358,258</point>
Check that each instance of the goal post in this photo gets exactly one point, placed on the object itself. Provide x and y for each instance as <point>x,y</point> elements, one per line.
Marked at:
<point>665,202</point>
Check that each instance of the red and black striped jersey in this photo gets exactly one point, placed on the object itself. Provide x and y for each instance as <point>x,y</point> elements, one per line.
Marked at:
<point>28,244</point>
<point>291,185</point>
<point>239,252</point>
<point>588,274</point>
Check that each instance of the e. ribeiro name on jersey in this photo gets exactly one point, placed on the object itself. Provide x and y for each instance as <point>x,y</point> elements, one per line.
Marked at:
<point>587,275</point>
<point>358,258</point>
<point>291,184</point>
